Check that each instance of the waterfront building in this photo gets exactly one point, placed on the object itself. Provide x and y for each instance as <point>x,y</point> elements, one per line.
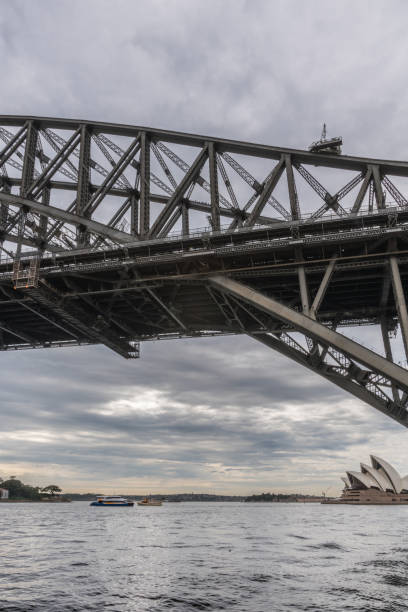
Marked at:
<point>378,483</point>
<point>4,493</point>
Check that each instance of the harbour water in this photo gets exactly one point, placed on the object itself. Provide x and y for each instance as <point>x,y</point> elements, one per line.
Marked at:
<point>203,556</point>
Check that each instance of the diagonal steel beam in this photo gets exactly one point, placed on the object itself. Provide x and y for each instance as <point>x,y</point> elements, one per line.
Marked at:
<point>168,310</point>
<point>12,145</point>
<point>163,164</point>
<point>266,192</point>
<point>92,327</point>
<point>63,215</point>
<point>123,181</point>
<point>322,288</point>
<point>395,411</point>
<point>6,327</point>
<point>119,214</point>
<point>47,318</point>
<point>178,194</point>
<point>329,200</point>
<point>363,191</point>
<point>58,160</point>
<point>115,320</point>
<point>112,177</point>
<point>171,222</point>
<point>394,192</point>
<point>31,242</point>
<point>227,182</point>
<point>316,330</point>
<point>185,168</point>
<point>333,201</point>
<point>68,167</point>
<point>215,200</point>
<point>253,183</point>
<point>379,196</point>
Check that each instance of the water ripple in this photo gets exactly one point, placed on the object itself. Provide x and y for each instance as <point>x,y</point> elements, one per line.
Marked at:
<point>194,556</point>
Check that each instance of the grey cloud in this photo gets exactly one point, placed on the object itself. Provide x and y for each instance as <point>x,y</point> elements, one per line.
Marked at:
<point>270,72</point>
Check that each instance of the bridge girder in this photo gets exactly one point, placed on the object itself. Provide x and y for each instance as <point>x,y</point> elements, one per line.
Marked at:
<point>102,225</point>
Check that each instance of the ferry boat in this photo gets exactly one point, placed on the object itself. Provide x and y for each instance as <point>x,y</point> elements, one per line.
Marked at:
<point>111,500</point>
<point>149,501</point>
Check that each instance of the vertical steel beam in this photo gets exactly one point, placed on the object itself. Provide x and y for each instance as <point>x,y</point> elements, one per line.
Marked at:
<point>144,214</point>
<point>304,294</point>
<point>83,183</point>
<point>215,200</point>
<point>385,291</point>
<point>388,353</point>
<point>386,339</point>
<point>294,204</point>
<point>45,198</point>
<point>134,214</point>
<point>371,197</point>
<point>27,178</point>
<point>42,232</point>
<point>304,299</point>
<point>4,212</point>
<point>400,302</point>
<point>29,159</point>
<point>185,221</point>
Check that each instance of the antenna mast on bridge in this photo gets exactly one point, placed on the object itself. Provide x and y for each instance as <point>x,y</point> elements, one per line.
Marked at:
<point>327,145</point>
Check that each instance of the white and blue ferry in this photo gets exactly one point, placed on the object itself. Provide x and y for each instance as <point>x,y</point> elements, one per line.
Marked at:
<point>111,500</point>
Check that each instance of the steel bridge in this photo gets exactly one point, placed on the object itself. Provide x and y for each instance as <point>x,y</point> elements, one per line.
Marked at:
<point>116,234</point>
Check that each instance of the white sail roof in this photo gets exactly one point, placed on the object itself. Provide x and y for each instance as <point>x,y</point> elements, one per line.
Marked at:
<point>380,475</point>
<point>405,482</point>
<point>382,480</point>
<point>390,472</point>
<point>365,479</point>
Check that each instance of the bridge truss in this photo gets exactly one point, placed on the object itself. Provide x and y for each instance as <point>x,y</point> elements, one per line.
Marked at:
<point>113,234</point>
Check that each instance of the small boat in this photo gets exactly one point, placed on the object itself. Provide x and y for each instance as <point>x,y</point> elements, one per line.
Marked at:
<point>111,500</point>
<point>149,501</point>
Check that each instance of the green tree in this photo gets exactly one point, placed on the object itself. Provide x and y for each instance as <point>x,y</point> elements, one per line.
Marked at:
<point>18,490</point>
<point>52,489</point>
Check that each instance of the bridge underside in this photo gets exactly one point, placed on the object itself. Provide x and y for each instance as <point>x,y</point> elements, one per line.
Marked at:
<point>104,268</point>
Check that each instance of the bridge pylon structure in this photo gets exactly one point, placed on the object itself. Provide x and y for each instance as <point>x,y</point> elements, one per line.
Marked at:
<point>117,234</point>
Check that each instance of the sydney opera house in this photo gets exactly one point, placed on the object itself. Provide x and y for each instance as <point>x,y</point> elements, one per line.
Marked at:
<point>378,483</point>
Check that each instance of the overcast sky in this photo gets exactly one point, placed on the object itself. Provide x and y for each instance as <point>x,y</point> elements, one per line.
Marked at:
<point>221,415</point>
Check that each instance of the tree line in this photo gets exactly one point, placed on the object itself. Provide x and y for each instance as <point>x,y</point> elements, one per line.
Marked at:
<point>276,497</point>
<point>19,490</point>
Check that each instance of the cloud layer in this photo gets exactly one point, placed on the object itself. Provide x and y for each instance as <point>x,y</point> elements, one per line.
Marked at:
<point>217,414</point>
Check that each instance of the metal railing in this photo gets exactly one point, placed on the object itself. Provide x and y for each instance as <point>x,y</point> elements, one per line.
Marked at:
<point>26,272</point>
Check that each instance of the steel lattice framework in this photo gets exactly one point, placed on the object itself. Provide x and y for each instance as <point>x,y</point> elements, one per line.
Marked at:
<point>117,234</point>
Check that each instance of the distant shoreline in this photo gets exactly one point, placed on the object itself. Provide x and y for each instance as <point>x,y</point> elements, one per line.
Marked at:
<point>35,501</point>
<point>209,497</point>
